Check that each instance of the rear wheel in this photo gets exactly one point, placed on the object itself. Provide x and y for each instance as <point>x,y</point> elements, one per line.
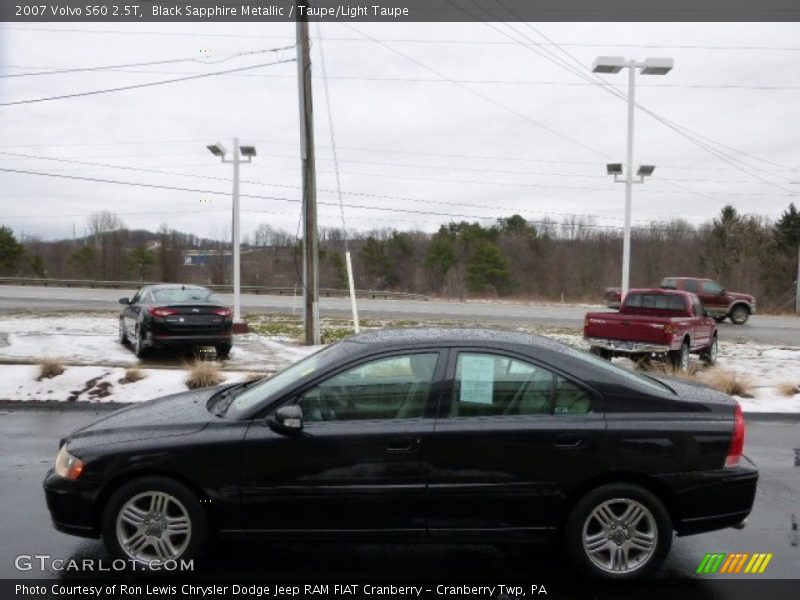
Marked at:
<point>618,531</point>
<point>740,314</point>
<point>601,352</point>
<point>710,353</point>
<point>223,351</point>
<point>680,358</point>
<point>153,520</point>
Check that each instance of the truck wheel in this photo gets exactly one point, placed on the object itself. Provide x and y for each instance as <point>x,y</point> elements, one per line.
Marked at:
<point>740,314</point>
<point>679,359</point>
<point>709,354</point>
<point>601,352</point>
<point>618,531</point>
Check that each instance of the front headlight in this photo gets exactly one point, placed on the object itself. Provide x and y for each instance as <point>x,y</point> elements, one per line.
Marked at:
<point>68,466</point>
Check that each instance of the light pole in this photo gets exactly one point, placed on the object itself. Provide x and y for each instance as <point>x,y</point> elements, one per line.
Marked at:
<point>238,152</point>
<point>650,66</point>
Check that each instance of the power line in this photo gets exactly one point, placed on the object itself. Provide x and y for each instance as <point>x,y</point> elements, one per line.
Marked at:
<point>144,85</point>
<point>480,94</point>
<point>145,64</point>
<point>663,45</point>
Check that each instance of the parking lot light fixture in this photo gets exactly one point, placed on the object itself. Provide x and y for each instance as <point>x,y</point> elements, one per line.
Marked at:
<point>649,66</point>
<point>238,151</point>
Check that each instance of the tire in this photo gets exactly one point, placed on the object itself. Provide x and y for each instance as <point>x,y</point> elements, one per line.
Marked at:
<point>123,335</point>
<point>710,353</point>
<point>154,519</point>
<point>223,351</point>
<point>138,347</point>
<point>679,359</point>
<point>618,531</point>
<point>720,318</point>
<point>601,352</point>
<point>739,314</point>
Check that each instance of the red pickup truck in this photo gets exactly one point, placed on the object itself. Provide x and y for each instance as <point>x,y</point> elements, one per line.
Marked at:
<point>670,323</point>
<point>717,301</point>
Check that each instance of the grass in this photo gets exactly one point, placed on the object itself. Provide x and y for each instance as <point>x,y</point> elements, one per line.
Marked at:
<point>132,375</point>
<point>730,382</point>
<point>670,370</point>
<point>253,377</point>
<point>50,367</point>
<point>788,389</point>
<point>203,374</point>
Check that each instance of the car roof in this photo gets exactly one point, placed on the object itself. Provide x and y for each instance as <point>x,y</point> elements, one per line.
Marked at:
<point>661,291</point>
<point>176,286</point>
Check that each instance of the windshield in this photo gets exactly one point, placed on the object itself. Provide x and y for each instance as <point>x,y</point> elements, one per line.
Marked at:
<point>185,295</point>
<point>631,376</point>
<point>243,399</point>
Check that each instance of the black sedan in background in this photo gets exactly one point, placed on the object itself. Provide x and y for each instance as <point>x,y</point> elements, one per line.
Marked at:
<point>161,316</point>
<point>423,435</point>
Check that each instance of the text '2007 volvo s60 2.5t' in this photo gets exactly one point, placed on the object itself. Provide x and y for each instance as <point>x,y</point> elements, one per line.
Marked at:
<point>429,435</point>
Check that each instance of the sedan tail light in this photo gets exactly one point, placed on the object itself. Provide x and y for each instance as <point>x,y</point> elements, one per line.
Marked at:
<point>161,311</point>
<point>737,441</point>
<point>222,312</point>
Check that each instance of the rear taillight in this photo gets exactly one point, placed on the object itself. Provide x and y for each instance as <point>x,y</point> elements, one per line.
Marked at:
<point>669,329</point>
<point>160,311</point>
<point>737,441</point>
<point>222,312</point>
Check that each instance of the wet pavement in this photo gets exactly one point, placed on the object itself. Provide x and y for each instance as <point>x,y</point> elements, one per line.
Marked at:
<point>28,445</point>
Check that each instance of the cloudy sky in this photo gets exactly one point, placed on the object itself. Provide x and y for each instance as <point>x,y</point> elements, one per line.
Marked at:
<point>433,122</point>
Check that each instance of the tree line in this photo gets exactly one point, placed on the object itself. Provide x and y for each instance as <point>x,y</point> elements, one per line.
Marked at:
<point>573,259</point>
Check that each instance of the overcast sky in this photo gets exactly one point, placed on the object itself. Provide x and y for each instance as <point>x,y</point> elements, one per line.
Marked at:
<point>517,133</point>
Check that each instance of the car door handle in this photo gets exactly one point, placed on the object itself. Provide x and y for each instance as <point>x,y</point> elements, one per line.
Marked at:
<point>403,445</point>
<point>569,443</point>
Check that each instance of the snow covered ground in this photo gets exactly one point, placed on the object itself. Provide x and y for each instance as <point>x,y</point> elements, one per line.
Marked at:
<point>95,361</point>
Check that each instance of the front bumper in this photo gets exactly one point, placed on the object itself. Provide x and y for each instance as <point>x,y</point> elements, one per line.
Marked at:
<point>72,505</point>
<point>628,347</point>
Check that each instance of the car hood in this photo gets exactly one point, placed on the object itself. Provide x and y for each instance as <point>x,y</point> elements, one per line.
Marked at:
<point>177,414</point>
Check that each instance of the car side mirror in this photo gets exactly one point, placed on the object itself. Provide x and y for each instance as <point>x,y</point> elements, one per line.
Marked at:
<point>287,420</point>
<point>124,300</point>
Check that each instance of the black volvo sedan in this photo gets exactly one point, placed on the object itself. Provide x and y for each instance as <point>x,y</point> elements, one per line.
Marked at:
<point>428,435</point>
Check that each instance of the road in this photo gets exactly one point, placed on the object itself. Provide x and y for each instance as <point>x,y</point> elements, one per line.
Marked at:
<point>28,440</point>
<point>765,329</point>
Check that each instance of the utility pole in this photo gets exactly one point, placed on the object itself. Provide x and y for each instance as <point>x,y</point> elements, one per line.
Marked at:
<point>797,283</point>
<point>237,281</point>
<point>310,239</point>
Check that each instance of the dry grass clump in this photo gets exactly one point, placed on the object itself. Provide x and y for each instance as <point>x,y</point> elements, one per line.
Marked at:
<point>49,368</point>
<point>132,375</point>
<point>732,383</point>
<point>250,377</point>
<point>670,370</point>
<point>788,389</point>
<point>202,374</point>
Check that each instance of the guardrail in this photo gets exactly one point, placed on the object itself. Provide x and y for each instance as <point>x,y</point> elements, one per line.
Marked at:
<point>246,289</point>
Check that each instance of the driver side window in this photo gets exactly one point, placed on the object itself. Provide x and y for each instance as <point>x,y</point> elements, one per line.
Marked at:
<point>395,387</point>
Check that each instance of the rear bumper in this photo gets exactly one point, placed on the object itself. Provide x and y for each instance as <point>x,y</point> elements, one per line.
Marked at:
<point>627,347</point>
<point>713,500</point>
<point>159,339</point>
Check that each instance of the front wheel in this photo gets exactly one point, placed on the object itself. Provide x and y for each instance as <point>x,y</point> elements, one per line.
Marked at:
<point>123,335</point>
<point>153,520</point>
<point>618,531</point>
<point>740,314</point>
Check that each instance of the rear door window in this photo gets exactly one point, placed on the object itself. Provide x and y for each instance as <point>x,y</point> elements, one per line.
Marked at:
<point>690,285</point>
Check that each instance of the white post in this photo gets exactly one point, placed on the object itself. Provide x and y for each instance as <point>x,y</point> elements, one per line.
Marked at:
<point>237,312</point>
<point>353,306</point>
<point>797,290</point>
<point>626,242</point>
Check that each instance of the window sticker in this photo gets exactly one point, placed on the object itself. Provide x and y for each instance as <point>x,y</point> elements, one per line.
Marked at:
<point>477,379</point>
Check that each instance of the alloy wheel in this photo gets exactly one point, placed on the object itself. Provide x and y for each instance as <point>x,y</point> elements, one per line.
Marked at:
<point>620,536</point>
<point>153,527</point>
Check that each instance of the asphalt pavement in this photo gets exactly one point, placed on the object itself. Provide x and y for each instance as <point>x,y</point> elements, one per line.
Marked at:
<point>765,329</point>
<point>28,445</point>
